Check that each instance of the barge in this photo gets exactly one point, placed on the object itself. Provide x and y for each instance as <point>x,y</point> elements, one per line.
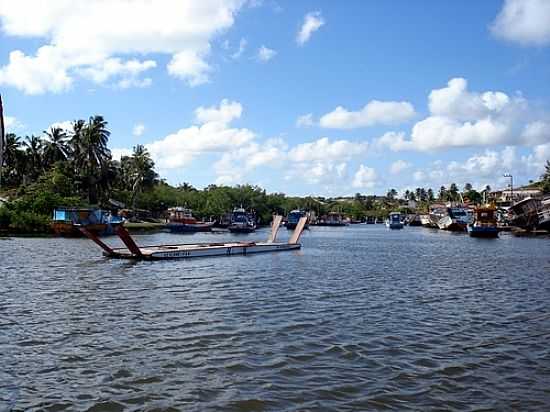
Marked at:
<point>193,250</point>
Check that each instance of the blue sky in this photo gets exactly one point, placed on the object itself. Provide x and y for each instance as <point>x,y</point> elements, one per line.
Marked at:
<point>323,97</point>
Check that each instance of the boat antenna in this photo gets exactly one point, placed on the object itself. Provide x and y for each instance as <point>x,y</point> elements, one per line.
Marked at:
<point>2,139</point>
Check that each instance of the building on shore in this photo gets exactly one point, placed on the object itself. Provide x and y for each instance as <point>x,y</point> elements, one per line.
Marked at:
<point>505,197</point>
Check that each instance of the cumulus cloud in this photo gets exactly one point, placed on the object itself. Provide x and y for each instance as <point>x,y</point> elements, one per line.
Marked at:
<point>324,149</point>
<point>312,22</point>
<point>87,39</point>
<point>526,22</point>
<point>226,112</point>
<point>240,51</point>
<point>138,129</point>
<point>462,118</point>
<point>398,166</point>
<point>12,124</point>
<point>305,120</point>
<point>373,113</point>
<point>364,178</point>
<point>265,54</point>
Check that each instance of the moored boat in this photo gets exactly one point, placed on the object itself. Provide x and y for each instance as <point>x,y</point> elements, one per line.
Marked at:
<point>544,215</point>
<point>332,219</point>
<point>181,220</point>
<point>455,219</point>
<point>485,223</point>
<point>100,222</point>
<point>394,221</point>
<point>241,221</point>
<point>294,217</point>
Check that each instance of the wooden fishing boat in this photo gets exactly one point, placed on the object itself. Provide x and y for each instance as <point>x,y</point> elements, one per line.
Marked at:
<point>98,221</point>
<point>181,220</point>
<point>195,250</point>
<point>485,223</point>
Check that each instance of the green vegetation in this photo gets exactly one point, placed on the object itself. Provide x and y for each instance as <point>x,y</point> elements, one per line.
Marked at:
<point>76,169</point>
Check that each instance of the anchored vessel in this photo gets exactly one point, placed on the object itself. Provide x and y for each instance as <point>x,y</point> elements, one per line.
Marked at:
<point>241,221</point>
<point>186,251</point>
<point>394,221</point>
<point>294,217</point>
<point>332,219</point>
<point>182,221</point>
<point>98,221</point>
<point>455,219</point>
<point>485,223</point>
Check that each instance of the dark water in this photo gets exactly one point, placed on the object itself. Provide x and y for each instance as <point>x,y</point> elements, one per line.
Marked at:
<point>360,319</point>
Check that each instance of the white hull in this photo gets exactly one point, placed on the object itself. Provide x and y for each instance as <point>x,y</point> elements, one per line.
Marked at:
<point>228,249</point>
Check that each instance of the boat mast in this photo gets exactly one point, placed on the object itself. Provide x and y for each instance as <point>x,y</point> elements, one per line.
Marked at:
<point>2,139</point>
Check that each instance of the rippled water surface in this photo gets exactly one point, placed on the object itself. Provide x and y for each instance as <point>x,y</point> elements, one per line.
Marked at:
<point>360,319</point>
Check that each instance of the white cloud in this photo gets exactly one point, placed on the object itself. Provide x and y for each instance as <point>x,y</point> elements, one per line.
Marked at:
<point>138,129</point>
<point>190,66</point>
<point>364,178</point>
<point>419,176</point>
<point>80,38</point>
<point>225,113</point>
<point>12,125</point>
<point>461,118</point>
<point>127,71</point>
<point>305,120</point>
<point>118,153</point>
<point>526,22</point>
<point>179,149</point>
<point>395,141</point>
<point>374,112</point>
<point>312,22</point>
<point>324,149</point>
<point>398,166</point>
<point>65,125</point>
<point>47,71</point>
<point>240,51</point>
<point>265,54</point>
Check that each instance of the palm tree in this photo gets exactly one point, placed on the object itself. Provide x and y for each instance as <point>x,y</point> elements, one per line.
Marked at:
<point>546,178</point>
<point>33,148</point>
<point>442,193</point>
<point>55,147</point>
<point>430,194</point>
<point>142,172</point>
<point>92,158</point>
<point>14,160</point>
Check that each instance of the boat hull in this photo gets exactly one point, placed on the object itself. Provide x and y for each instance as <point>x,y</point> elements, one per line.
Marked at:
<point>483,231</point>
<point>394,225</point>
<point>68,229</point>
<point>241,229</point>
<point>175,227</point>
<point>189,251</point>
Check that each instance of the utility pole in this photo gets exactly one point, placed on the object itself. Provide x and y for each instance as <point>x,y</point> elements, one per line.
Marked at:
<point>2,139</point>
<point>511,186</point>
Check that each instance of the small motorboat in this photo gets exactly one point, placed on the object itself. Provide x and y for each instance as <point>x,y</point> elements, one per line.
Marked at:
<point>485,223</point>
<point>294,217</point>
<point>394,221</point>
<point>241,221</point>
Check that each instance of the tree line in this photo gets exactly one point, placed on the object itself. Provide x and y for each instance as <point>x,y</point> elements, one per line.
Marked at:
<point>75,168</point>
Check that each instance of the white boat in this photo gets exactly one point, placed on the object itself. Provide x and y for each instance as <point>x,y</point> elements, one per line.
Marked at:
<point>455,219</point>
<point>193,250</point>
<point>394,221</point>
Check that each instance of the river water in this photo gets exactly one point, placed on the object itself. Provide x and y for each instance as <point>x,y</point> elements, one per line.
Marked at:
<point>362,318</point>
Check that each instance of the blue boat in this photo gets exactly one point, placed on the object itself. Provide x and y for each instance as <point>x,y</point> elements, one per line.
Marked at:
<point>242,222</point>
<point>294,217</point>
<point>65,221</point>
